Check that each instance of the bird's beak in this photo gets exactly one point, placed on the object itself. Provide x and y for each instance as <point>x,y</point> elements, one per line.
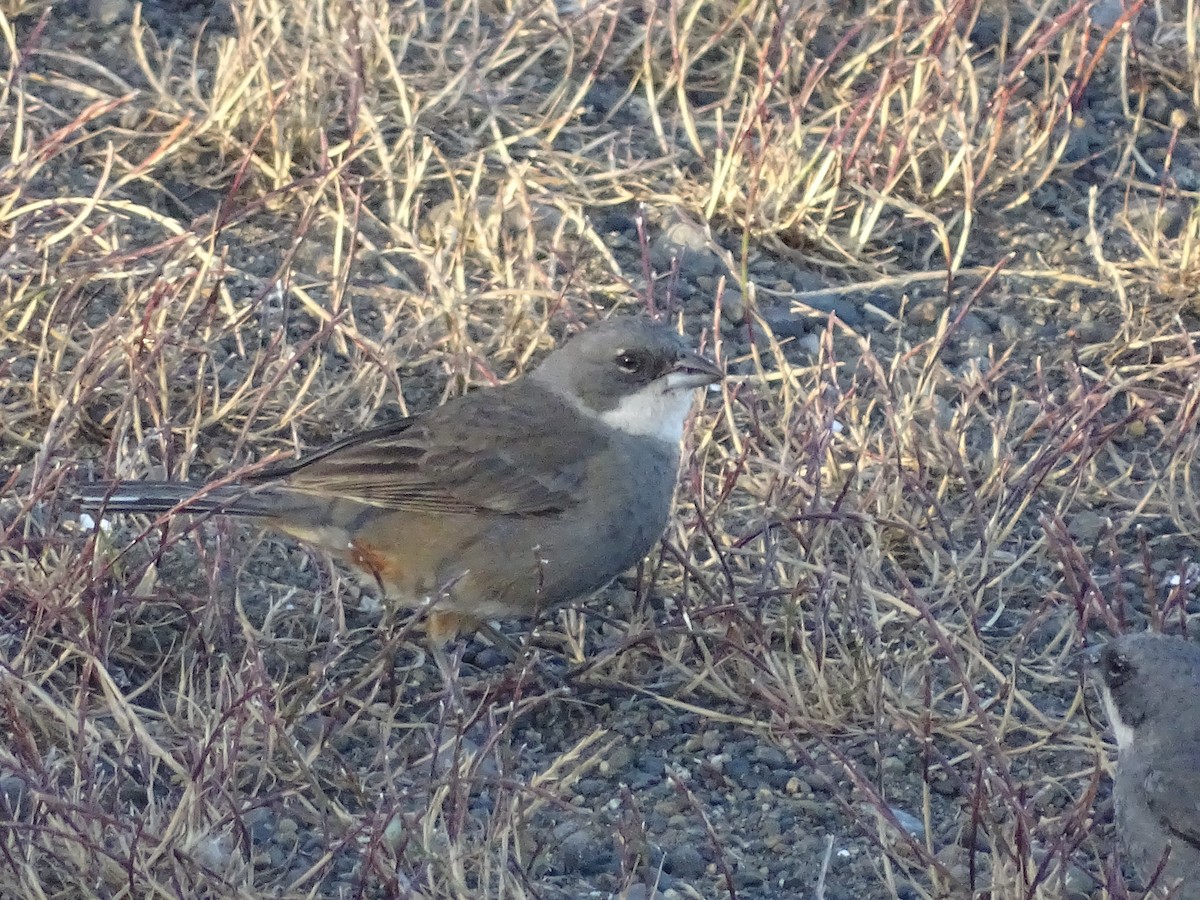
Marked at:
<point>693,371</point>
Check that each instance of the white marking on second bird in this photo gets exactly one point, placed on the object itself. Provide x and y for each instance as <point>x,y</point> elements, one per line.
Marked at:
<point>1122,732</point>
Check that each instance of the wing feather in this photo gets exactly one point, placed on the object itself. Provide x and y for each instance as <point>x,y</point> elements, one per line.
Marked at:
<point>1174,797</point>
<point>517,450</point>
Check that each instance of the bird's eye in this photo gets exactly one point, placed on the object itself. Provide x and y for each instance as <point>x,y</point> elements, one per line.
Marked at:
<point>628,362</point>
<point>1117,669</point>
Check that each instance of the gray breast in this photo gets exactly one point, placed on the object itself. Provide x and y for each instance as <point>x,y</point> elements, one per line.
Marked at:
<point>634,507</point>
<point>1143,832</point>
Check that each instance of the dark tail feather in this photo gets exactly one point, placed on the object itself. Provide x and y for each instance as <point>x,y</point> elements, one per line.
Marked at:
<point>152,497</point>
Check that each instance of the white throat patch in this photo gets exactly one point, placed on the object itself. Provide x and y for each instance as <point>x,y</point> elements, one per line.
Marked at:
<point>1122,732</point>
<point>655,411</point>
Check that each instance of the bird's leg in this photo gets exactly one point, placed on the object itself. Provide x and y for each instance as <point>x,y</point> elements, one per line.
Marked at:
<point>515,652</point>
<point>441,627</point>
<point>449,669</point>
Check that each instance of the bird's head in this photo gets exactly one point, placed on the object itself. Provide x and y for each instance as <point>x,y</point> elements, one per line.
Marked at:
<point>632,374</point>
<point>1146,678</point>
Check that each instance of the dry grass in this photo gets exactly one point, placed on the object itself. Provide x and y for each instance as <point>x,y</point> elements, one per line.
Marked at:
<point>884,558</point>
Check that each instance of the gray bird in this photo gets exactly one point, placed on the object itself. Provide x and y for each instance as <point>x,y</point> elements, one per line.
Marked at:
<point>1150,684</point>
<point>497,504</point>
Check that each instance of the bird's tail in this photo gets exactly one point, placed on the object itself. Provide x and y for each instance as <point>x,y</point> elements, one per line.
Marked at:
<point>151,497</point>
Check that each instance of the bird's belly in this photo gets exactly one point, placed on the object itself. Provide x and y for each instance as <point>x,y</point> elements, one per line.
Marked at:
<point>518,567</point>
<point>501,566</point>
<point>568,559</point>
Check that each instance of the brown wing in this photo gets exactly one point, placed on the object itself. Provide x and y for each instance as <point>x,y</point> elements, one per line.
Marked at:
<point>517,450</point>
